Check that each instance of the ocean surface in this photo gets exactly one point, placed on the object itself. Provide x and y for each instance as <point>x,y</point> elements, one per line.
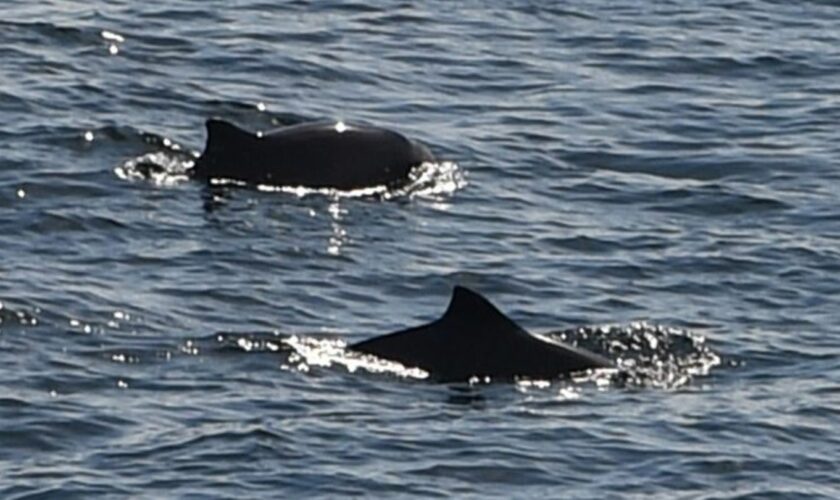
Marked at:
<point>655,181</point>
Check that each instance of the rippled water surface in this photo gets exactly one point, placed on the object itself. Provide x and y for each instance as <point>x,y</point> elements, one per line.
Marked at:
<point>655,181</point>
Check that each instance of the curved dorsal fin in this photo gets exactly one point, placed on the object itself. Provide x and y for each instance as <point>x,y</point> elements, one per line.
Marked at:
<point>473,338</point>
<point>472,308</point>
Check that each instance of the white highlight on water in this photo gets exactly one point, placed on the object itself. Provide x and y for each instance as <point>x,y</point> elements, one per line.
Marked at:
<point>112,37</point>
<point>115,39</point>
<point>308,352</point>
<point>430,180</point>
<point>172,169</point>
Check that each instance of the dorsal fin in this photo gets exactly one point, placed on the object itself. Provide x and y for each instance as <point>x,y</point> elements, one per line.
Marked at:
<point>220,133</point>
<point>474,338</point>
<point>472,308</point>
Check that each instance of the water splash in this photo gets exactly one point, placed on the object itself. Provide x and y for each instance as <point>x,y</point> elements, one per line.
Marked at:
<point>646,355</point>
<point>305,352</point>
<point>432,180</point>
<point>163,168</point>
<point>310,351</point>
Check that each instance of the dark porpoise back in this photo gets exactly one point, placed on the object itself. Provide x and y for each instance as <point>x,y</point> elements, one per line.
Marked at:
<point>319,155</point>
<point>474,339</point>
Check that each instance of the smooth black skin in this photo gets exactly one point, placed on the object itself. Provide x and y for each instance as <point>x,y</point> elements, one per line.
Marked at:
<point>311,154</point>
<point>474,339</point>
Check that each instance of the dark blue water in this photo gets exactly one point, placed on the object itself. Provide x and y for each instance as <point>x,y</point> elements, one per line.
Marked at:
<point>603,163</point>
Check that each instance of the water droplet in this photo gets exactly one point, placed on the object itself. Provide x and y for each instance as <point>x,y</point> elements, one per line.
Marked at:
<point>88,136</point>
<point>261,106</point>
<point>21,193</point>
